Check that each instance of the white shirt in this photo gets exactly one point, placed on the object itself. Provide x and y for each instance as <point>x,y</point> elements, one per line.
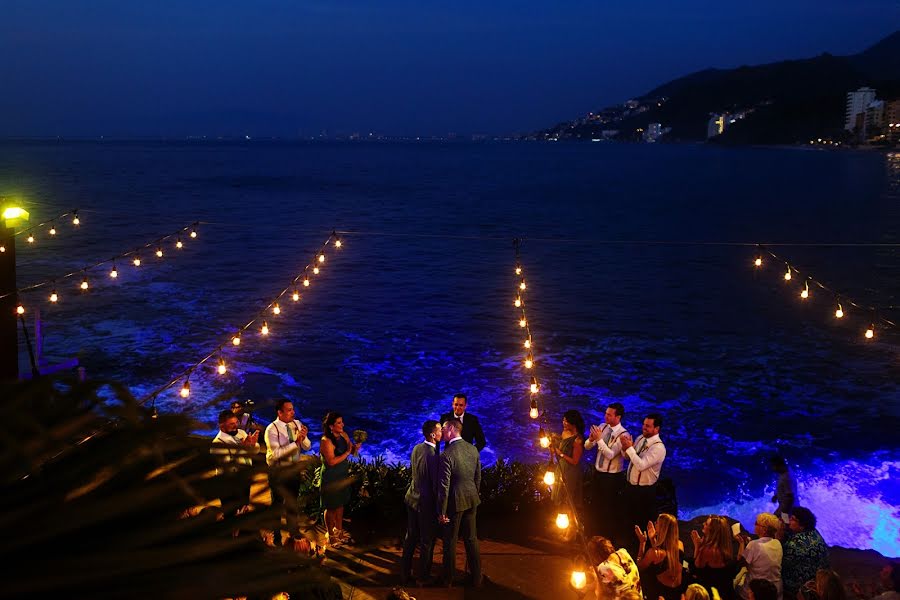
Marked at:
<point>279,447</point>
<point>646,458</point>
<point>609,449</point>
<point>236,451</point>
<point>432,444</point>
<point>456,439</point>
<point>763,558</point>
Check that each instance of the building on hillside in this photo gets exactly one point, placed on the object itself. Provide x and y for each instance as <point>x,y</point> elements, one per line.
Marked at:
<point>857,102</point>
<point>653,132</point>
<point>892,120</point>
<point>874,120</point>
<point>715,126</point>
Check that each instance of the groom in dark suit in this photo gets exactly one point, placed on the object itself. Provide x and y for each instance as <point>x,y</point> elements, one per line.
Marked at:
<point>471,428</point>
<point>421,505</point>
<point>457,500</point>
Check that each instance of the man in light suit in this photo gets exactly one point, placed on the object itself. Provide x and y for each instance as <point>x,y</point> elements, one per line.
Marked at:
<point>471,427</point>
<point>421,506</point>
<point>458,499</point>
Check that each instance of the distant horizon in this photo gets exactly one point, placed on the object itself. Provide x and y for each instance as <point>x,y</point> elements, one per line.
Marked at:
<point>398,69</point>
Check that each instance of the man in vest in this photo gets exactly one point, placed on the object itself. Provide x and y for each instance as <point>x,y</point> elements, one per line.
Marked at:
<point>609,473</point>
<point>646,455</point>
<point>285,442</point>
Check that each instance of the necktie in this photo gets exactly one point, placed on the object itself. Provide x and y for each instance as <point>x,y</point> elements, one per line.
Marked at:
<point>290,432</point>
<point>606,439</point>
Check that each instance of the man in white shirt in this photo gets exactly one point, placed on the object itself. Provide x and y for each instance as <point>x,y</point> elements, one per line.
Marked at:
<point>234,449</point>
<point>286,439</point>
<point>609,474</point>
<point>646,456</point>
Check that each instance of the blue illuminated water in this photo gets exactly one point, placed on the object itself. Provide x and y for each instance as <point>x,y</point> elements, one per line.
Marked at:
<point>397,323</point>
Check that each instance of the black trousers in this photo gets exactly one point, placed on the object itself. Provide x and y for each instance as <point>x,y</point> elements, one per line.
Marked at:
<point>421,533</point>
<point>462,522</point>
<point>285,488</point>
<point>607,507</point>
<point>641,503</point>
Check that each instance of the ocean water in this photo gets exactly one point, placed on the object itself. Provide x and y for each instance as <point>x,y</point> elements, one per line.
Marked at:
<point>417,305</point>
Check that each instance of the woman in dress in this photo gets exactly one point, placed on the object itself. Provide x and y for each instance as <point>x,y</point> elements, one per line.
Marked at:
<point>660,564</point>
<point>335,450</point>
<point>714,564</point>
<point>618,575</point>
<point>569,451</point>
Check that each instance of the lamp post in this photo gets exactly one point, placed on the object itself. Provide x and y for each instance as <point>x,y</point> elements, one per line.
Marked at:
<point>13,216</point>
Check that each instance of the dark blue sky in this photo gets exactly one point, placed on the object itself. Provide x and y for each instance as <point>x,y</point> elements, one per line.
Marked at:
<point>289,67</point>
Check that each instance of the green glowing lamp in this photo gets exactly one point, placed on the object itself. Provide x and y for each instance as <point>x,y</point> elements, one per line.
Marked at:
<point>15,216</point>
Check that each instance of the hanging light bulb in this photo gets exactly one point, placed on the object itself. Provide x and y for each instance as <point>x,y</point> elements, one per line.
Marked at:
<point>137,260</point>
<point>543,438</point>
<point>316,270</point>
<point>549,477</point>
<point>52,230</point>
<point>578,578</point>
<point>870,332</point>
<point>839,312</point>
<point>154,414</point>
<point>20,310</point>
<point>787,274</point>
<point>193,233</point>
<point>75,219</point>
<point>2,248</point>
<point>295,296</point>
<point>114,273</point>
<point>534,385</point>
<point>757,261</point>
<point>236,340</point>
<point>529,360</point>
<point>185,389</point>
<point>562,520</point>
<point>338,243</point>
<point>533,411</point>
<point>522,322</point>
<point>30,239</point>
<point>276,310</point>
<point>518,269</point>
<point>84,283</point>
<point>222,369</point>
<point>805,293</point>
<point>522,285</point>
<point>265,328</point>
<point>54,297</point>
<point>159,252</point>
<point>321,257</point>
<point>527,343</point>
<point>306,281</point>
<point>518,302</point>
<point>178,244</point>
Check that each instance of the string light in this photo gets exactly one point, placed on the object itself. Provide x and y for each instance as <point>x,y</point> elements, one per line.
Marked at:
<point>84,283</point>
<point>20,310</point>
<point>518,269</point>
<point>236,340</point>
<point>758,261</point>
<point>54,297</point>
<point>2,248</point>
<point>870,332</point>
<point>549,477</point>
<point>305,281</point>
<point>185,389</point>
<point>321,257</point>
<point>839,312</point>
<point>52,230</point>
<point>578,579</point>
<point>533,411</point>
<point>222,369</point>
<point>178,244</point>
<point>137,261</point>
<point>805,293</point>
<point>159,252</point>
<point>518,302</point>
<point>529,361</point>
<point>316,270</point>
<point>276,310</point>
<point>543,438</point>
<point>523,322</point>
<point>787,274</point>
<point>527,343</point>
<point>75,220</point>
<point>337,243</point>
<point>562,520</point>
<point>534,386</point>
<point>522,285</point>
<point>193,233</point>
<point>114,273</point>
<point>265,328</point>
<point>295,296</point>
<point>30,239</point>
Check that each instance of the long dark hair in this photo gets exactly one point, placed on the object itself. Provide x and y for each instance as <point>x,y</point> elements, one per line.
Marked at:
<point>328,420</point>
<point>575,420</point>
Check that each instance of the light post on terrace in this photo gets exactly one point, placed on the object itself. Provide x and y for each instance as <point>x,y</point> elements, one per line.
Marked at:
<point>13,216</point>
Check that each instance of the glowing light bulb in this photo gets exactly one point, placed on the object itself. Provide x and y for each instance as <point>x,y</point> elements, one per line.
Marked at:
<point>578,579</point>
<point>528,343</point>
<point>805,293</point>
<point>839,313</point>
<point>522,285</point>
<point>338,243</point>
<point>236,340</point>
<point>534,386</point>
<point>185,389</point>
<point>137,261</point>
<point>522,322</point>
<point>114,273</point>
<point>787,274</point>
<point>84,284</point>
<point>316,270</point>
<point>20,310</point>
<point>54,296</point>
<point>306,282</point>
<point>265,328</point>
<point>52,231</point>
<point>518,270</point>
<point>562,520</point>
<point>276,310</point>
<point>544,439</point>
<point>222,369</point>
<point>2,248</point>
<point>193,234</point>
<point>178,244</point>
<point>549,477</point>
<point>30,239</point>
<point>295,296</point>
<point>529,361</point>
<point>518,302</point>
<point>75,219</point>
<point>533,411</point>
<point>159,252</point>
<point>321,258</point>
<point>870,332</point>
<point>758,261</point>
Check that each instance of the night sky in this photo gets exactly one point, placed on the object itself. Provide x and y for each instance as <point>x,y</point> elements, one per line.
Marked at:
<point>405,67</point>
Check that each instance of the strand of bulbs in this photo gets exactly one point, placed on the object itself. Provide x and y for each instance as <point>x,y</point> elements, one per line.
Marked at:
<point>51,231</point>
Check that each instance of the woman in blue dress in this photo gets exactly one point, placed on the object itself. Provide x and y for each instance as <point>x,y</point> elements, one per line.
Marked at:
<point>335,450</point>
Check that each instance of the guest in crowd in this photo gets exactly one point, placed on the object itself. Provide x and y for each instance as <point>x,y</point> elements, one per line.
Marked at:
<point>421,505</point>
<point>805,552</point>
<point>286,440</point>
<point>234,450</point>
<point>471,427</point>
<point>761,557</point>
<point>335,450</point>
<point>695,591</point>
<point>785,487</point>
<point>617,572</point>
<point>245,417</point>
<point>458,499</point>
<point>714,563</point>
<point>829,586</point>
<point>609,471</point>
<point>761,589</point>
<point>646,456</point>
<point>568,469</point>
<point>659,558</point>
<point>889,582</point>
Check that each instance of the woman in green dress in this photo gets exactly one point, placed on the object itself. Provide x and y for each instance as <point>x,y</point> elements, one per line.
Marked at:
<point>569,451</point>
<point>335,450</point>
